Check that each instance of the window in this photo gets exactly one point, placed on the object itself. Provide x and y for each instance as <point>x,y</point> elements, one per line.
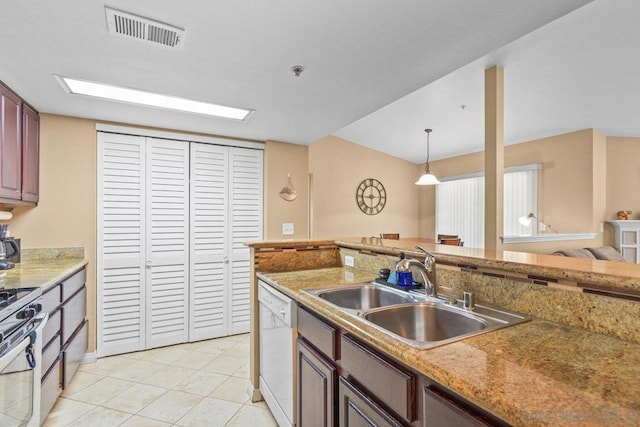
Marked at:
<point>460,204</point>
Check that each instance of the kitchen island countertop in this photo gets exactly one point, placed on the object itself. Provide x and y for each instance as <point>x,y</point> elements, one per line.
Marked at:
<point>537,373</point>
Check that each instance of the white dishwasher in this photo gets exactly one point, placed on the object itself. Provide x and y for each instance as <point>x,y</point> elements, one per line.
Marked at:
<point>278,315</point>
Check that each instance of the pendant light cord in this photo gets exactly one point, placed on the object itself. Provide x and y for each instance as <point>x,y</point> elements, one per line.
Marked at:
<point>426,166</point>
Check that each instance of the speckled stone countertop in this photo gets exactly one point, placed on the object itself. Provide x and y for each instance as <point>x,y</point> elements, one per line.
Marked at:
<point>538,373</point>
<point>606,273</point>
<point>41,273</point>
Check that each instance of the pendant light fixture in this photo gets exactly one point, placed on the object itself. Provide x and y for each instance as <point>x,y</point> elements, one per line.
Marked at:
<point>428,178</point>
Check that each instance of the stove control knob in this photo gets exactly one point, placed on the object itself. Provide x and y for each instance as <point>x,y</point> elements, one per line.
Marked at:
<point>27,313</point>
<point>36,306</point>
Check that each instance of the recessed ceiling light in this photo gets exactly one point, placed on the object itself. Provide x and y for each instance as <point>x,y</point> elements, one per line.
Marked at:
<point>150,99</point>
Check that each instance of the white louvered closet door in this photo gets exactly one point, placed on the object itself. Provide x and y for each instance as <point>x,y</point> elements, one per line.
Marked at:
<point>209,241</point>
<point>121,239</point>
<point>167,242</point>
<point>245,174</point>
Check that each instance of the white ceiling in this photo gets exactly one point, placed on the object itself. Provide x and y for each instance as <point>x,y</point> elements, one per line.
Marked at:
<point>580,71</point>
<point>359,56</point>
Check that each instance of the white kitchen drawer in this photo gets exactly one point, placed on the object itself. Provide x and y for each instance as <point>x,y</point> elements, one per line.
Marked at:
<point>52,327</point>
<point>74,353</point>
<point>71,285</point>
<point>73,314</point>
<point>52,298</point>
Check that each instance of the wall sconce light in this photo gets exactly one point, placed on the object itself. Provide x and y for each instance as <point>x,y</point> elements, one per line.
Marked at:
<point>289,193</point>
<point>525,220</point>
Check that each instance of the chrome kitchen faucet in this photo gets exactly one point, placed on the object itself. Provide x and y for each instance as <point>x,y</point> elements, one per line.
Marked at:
<point>427,270</point>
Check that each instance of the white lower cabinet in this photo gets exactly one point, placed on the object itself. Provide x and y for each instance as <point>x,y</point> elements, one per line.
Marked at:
<point>172,217</point>
<point>64,338</point>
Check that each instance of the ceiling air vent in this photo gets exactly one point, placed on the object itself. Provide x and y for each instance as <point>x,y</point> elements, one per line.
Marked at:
<point>133,26</point>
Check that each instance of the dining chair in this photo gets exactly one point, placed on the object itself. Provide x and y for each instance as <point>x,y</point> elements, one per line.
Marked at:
<point>446,236</point>
<point>390,236</point>
<point>451,242</point>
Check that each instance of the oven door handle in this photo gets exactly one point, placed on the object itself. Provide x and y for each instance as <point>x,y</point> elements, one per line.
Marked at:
<point>27,344</point>
<point>14,353</point>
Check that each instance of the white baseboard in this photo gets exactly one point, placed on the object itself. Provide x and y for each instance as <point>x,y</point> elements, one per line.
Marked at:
<point>89,358</point>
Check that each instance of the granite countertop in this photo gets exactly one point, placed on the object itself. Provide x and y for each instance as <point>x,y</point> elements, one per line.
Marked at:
<point>40,273</point>
<point>622,275</point>
<point>537,373</point>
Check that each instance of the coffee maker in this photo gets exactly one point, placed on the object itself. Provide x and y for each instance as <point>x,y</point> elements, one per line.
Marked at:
<point>9,249</point>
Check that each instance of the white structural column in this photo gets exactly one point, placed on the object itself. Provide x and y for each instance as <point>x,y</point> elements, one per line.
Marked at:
<point>493,157</point>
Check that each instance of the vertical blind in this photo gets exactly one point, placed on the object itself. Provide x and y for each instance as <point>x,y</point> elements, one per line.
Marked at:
<point>460,205</point>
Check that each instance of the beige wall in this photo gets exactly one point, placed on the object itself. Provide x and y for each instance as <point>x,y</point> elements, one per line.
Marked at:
<point>281,159</point>
<point>566,195</point>
<point>570,197</point>
<point>623,179</point>
<point>66,213</point>
<point>338,166</point>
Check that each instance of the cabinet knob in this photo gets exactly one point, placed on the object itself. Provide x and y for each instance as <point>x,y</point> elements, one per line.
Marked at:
<point>148,264</point>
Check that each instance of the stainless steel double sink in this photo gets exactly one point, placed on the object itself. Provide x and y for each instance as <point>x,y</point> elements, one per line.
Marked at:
<point>418,320</point>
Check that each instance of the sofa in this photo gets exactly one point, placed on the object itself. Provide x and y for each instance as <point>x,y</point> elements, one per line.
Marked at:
<point>605,253</point>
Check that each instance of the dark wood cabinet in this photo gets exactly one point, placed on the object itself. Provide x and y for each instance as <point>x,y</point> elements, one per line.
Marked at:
<point>382,380</point>
<point>19,150</point>
<point>344,382</point>
<point>441,409</point>
<point>10,144</point>
<point>359,410</point>
<point>316,383</point>
<point>30,154</point>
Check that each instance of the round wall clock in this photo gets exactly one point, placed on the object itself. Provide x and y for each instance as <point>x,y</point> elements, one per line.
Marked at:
<point>371,196</point>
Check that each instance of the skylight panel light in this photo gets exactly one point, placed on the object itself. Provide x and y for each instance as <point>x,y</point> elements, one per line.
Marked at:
<point>150,99</point>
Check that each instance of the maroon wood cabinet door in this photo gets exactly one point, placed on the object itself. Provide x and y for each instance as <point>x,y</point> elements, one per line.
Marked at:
<point>30,153</point>
<point>316,388</point>
<point>440,411</point>
<point>358,410</point>
<point>10,145</point>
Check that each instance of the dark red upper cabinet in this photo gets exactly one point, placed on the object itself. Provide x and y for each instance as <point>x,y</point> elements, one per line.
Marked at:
<point>19,150</point>
<point>10,145</point>
<point>30,153</point>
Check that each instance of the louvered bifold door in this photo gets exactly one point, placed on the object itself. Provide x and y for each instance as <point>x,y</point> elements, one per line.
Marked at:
<point>167,242</point>
<point>209,241</point>
<point>120,249</point>
<point>245,176</point>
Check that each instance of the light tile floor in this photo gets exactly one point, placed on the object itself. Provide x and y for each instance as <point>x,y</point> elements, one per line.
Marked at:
<point>195,384</point>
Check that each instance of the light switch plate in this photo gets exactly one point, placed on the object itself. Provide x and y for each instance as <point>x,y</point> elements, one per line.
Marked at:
<point>543,227</point>
<point>349,261</point>
<point>287,229</point>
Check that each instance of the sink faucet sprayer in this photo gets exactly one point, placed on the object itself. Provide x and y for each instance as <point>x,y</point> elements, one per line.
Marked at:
<point>426,270</point>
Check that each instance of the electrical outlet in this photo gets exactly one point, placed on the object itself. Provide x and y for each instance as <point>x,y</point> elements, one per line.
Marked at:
<point>287,229</point>
<point>349,261</point>
<point>348,276</point>
<point>602,227</point>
